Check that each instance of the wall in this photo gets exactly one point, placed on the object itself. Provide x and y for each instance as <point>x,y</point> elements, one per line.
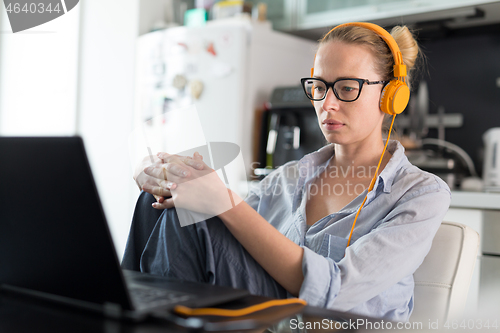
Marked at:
<point>38,77</point>
<point>75,75</point>
<point>105,105</point>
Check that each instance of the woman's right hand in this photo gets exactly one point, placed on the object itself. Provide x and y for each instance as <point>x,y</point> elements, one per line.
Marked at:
<point>151,184</point>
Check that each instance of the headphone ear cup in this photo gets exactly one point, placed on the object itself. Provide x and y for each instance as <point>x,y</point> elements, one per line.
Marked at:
<point>395,97</point>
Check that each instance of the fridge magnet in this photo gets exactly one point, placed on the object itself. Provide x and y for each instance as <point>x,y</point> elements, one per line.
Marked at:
<point>183,45</point>
<point>196,87</point>
<point>211,49</point>
<point>179,81</point>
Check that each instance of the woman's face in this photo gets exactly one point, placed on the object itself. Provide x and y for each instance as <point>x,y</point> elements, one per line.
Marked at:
<point>348,123</point>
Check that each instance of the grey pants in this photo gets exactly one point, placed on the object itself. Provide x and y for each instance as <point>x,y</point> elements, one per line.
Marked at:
<point>203,252</point>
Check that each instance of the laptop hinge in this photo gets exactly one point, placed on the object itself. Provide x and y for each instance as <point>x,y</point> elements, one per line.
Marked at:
<point>112,310</point>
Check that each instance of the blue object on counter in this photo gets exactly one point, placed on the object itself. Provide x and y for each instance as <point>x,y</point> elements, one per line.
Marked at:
<point>196,17</point>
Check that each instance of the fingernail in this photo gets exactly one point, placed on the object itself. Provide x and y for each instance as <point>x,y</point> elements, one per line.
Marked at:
<point>155,204</point>
<point>184,173</point>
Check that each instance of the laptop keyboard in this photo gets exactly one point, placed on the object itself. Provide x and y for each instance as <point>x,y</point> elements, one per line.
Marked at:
<point>152,297</point>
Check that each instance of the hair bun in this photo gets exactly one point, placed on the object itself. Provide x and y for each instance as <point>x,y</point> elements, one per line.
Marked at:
<point>407,45</point>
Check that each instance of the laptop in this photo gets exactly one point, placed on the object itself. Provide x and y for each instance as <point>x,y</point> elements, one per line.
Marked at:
<point>55,242</point>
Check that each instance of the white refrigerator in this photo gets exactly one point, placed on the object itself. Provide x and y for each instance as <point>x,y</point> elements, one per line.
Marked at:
<point>226,71</point>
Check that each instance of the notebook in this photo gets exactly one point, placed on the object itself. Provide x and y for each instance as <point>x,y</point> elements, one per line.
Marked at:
<point>55,242</point>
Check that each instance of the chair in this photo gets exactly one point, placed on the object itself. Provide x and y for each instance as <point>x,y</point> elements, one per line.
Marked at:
<point>442,281</point>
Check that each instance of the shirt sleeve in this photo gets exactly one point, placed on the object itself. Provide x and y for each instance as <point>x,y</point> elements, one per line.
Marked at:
<point>379,259</point>
<point>253,196</point>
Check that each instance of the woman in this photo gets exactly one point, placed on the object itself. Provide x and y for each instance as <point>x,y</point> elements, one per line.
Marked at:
<point>290,235</point>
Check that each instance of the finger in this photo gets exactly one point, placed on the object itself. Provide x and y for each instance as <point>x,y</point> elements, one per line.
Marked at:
<point>197,156</point>
<point>168,185</point>
<point>159,199</point>
<point>168,203</point>
<point>165,157</point>
<point>159,191</point>
<point>193,163</point>
<point>176,169</point>
<point>188,160</point>
<point>161,156</point>
<point>199,159</point>
<point>157,171</point>
<point>157,164</point>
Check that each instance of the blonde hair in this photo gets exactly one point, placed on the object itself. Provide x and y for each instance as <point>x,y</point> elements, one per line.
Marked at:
<point>411,52</point>
<point>384,59</point>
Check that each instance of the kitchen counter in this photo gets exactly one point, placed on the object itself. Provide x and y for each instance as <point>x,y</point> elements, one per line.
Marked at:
<point>475,200</point>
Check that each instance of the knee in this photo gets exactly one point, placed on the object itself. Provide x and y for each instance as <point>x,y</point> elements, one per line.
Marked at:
<point>144,208</point>
<point>146,198</point>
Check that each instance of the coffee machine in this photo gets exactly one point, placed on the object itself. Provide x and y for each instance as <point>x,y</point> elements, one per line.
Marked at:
<point>289,129</point>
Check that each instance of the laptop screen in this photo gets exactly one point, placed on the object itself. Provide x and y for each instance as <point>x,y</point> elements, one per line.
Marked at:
<point>53,234</point>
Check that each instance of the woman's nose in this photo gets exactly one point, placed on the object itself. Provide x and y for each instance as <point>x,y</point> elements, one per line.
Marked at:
<point>331,101</point>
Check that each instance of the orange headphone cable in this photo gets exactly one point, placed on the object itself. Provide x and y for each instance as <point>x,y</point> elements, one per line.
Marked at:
<point>372,184</point>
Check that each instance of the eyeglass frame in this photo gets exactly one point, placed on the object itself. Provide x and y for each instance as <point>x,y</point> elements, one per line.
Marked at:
<point>331,84</point>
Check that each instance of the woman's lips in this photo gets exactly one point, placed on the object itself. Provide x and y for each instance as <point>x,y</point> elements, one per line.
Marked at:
<point>331,125</point>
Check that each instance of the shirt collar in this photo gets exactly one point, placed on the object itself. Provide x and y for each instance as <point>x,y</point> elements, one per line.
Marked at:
<point>397,160</point>
<point>310,162</point>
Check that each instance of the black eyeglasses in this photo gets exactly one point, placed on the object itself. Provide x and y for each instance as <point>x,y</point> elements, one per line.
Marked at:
<point>346,90</point>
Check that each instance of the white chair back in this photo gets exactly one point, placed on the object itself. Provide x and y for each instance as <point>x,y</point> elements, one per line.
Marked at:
<point>442,281</point>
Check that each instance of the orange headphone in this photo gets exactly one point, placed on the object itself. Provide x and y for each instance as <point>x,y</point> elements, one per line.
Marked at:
<point>396,94</point>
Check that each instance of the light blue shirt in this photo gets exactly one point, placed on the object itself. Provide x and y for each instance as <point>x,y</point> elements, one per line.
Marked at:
<point>393,233</point>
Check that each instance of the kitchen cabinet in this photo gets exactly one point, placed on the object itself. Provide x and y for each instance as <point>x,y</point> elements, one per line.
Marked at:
<point>281,13</point>
<point>315,14</point>
<point>309,17</point>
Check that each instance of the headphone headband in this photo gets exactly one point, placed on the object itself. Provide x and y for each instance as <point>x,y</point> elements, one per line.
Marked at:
<point>396,94</point>
<point>399,66</point>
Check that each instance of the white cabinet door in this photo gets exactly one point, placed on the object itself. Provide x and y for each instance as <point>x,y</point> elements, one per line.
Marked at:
<point>313,14</point>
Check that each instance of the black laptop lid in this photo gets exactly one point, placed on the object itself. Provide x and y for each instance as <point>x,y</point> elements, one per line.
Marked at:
<point>53,234</point>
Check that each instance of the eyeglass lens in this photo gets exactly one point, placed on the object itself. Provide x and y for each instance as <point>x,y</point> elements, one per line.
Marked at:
<point>346,90</point>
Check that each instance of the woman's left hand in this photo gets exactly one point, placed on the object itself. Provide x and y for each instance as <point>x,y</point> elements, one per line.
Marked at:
<point>197,190</point>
